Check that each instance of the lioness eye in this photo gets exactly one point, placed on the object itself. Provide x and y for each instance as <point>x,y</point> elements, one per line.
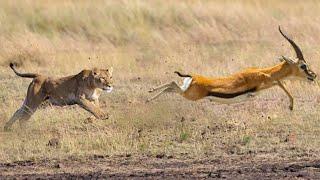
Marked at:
<point>303,66</point>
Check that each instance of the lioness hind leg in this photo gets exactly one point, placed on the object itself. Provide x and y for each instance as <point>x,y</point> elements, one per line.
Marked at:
<point>33,100</point>
<point>22,114</point>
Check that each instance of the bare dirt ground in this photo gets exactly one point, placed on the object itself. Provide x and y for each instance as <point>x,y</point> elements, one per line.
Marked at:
<point>240,167</point>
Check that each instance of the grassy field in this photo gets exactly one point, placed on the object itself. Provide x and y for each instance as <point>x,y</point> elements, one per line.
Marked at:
<point>145,41</point>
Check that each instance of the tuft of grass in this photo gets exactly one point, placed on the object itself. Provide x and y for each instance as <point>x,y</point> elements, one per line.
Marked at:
<point>246,140</point>
<point>183,136</point>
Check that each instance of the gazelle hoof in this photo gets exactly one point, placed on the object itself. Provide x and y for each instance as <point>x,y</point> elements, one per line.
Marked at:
<point>291,108</point>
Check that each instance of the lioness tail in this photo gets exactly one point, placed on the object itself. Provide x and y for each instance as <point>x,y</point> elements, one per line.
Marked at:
<point>25,75</point>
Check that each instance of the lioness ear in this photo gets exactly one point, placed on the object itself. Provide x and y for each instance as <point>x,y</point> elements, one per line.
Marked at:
<point>110,70</point>
<point>94,72</point>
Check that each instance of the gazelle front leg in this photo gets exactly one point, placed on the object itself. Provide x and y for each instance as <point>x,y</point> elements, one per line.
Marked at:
<point>288,93</point>
<point>169,87</point>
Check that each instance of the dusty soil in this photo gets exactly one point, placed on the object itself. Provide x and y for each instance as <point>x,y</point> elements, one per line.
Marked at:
<point>159,167</point>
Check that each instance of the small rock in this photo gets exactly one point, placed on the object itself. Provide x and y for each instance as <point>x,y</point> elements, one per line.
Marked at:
<point>160,156</point>
<point>300,175</point>
<point>96,156</point>
<point>170,157</point>
<point>54,142</point>
<point>59,165</point>
<point>182,119</point>
<point>128,155</point>
<point>203,133</point>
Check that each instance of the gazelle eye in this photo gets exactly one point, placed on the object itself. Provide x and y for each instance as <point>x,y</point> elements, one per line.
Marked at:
<point>303,66</point>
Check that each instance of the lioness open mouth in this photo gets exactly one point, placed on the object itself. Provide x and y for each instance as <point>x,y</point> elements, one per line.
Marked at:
<point>108,89</point>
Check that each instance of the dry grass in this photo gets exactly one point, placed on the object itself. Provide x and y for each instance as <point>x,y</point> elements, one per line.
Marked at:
<point>146,41</point>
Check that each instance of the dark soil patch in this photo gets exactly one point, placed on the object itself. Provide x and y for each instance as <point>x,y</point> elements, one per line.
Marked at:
<point>116,167</point>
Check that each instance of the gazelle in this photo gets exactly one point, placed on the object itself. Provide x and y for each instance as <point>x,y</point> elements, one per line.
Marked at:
<point>244,84</point>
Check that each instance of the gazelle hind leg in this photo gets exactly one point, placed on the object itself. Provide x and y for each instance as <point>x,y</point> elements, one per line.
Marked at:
<point>170,87</point>
<point>160,87</point>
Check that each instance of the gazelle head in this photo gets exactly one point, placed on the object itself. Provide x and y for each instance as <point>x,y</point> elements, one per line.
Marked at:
<point>300,67</point>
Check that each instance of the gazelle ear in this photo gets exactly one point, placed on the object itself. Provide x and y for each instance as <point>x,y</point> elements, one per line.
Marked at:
<point>280,59</point>
<point>288,60</point>
<point>301,60</point>
<point>110,70</point>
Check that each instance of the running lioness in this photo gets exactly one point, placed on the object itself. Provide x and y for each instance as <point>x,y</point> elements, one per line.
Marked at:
<point>83,89</point>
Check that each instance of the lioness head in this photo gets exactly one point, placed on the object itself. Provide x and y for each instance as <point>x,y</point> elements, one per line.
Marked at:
<point>102,78</point>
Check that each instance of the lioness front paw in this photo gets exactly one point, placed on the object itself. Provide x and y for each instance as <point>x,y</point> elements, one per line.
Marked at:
<point>104,116</point>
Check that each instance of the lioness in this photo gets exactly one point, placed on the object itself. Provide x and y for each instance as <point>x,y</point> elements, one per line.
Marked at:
<point>83,89</point>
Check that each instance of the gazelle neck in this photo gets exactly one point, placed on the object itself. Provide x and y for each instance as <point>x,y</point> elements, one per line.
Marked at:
<point>279,71</point>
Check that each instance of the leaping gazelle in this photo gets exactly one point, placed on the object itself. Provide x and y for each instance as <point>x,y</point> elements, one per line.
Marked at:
<point>242,84</point>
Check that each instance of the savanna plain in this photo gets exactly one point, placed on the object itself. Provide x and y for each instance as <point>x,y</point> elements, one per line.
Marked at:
<point>145,42</point>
